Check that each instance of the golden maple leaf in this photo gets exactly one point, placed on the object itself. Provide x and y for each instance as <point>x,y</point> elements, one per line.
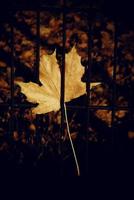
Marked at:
<point>48,95</point>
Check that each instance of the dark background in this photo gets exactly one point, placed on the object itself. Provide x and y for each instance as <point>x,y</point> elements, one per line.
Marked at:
<point>104,161</point>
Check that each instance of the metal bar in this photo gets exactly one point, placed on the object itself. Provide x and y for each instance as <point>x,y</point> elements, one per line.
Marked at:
<point>114,89</point>
<point>74,107</point>
<point>88,83</point>
<point>37,46</point>
<point>37,67</point>
<point>12,72</point>
<point>98,107</point>
<point>62,89</point>
<point>62,99</point>
<point>47,7</point>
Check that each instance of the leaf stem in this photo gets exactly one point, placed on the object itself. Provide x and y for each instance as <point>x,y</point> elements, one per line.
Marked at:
<point>71,142</point>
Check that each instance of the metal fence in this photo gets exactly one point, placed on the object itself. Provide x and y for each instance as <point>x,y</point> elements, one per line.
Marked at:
<point>91,12</point>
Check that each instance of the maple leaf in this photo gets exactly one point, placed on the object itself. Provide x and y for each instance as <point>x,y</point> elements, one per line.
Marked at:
<point>48,95</point>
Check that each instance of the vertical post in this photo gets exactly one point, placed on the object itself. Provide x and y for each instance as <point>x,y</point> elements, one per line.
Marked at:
<point>37,46</point>
<point>62,89</point>
<point>114,136</point>
<point>63,72</point>
<point>88,83</point>
<point>37,60</point>
<point>12,70</point>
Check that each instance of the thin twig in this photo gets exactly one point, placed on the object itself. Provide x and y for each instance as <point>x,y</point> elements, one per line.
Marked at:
<point>71,142</point>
